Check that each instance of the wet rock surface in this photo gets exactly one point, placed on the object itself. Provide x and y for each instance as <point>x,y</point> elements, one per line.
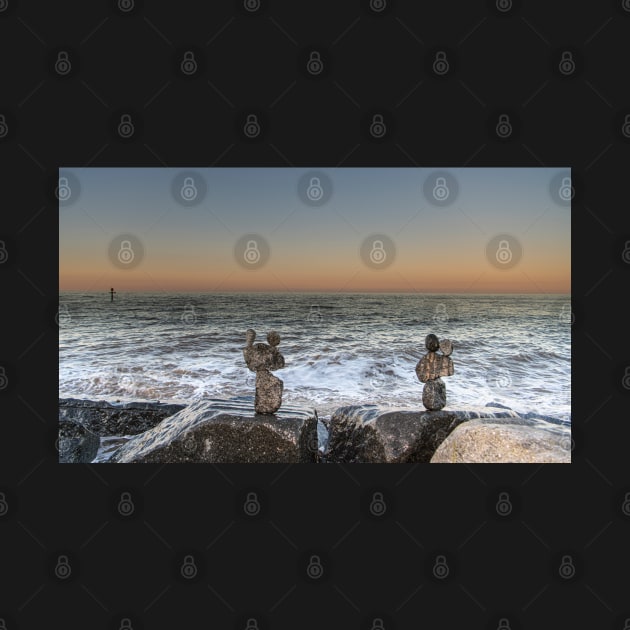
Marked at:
<point>104,418</point>
<point>77,444</point>
<point>224,431</point>
<point>507,440</point>
<point>374,434</point>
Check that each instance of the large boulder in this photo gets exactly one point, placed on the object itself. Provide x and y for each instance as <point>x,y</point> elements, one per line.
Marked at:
<point>226,431</point>
<point>77,444</point>
<point>510,440</point>
<point>373,434</point>
<point>104,418</point>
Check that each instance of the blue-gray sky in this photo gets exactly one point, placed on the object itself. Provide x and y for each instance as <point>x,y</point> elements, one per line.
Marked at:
<point>438,248</point>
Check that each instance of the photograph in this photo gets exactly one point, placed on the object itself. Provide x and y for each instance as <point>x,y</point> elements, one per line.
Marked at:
<point>315,315</point>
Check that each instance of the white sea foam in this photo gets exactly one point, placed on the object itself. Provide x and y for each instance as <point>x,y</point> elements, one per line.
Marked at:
<point>339,349</point>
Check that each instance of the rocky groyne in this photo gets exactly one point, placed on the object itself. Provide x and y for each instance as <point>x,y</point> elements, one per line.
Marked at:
<point>230,431</point>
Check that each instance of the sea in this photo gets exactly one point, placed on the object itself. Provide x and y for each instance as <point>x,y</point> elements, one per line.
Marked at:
<point>339,348</point>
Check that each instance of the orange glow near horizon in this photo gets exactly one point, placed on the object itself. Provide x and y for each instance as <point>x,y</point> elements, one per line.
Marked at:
<point>436,249</point>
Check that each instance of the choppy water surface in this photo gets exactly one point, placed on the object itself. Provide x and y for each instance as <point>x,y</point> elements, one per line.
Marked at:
<point>339,348</point>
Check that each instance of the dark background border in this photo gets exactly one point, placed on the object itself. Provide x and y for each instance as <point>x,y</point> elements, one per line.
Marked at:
<point>375,61</point>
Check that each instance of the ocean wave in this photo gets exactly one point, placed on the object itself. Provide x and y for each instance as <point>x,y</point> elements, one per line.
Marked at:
<point>348,356</point>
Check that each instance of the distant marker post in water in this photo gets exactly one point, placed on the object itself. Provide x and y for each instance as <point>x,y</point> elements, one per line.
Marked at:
<point>111,292</point>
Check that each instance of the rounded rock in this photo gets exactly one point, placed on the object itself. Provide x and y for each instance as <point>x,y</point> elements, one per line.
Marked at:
<point>434,394</point>
<point>432,342</point>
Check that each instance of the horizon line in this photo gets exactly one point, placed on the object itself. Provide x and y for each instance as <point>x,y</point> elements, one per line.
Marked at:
<point>304,291</point>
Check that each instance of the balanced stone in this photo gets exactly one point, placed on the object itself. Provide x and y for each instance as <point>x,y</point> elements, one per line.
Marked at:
<point>261,358</point>
<point>268,392</point>
<point>434,394</point>
<point>431,367</point>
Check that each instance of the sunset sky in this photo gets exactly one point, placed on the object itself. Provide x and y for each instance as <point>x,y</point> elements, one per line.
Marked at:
<point>438,249</point>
